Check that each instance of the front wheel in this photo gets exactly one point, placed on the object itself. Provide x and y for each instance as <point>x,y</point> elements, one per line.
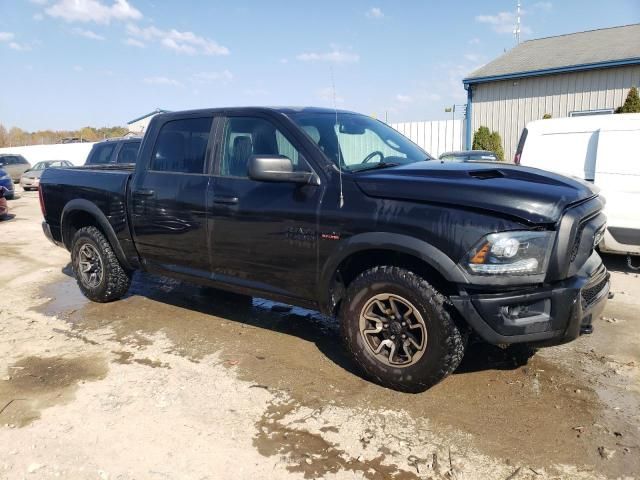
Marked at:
<point>98,271</point>
<point>399,330</point>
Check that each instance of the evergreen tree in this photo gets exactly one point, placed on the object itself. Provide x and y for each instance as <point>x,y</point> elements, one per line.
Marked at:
<point>631,104</point>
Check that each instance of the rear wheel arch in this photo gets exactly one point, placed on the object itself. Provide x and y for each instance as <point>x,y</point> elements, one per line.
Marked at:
<point>81,213</point>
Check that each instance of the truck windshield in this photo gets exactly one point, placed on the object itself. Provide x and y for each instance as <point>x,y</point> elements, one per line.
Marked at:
<point>356,142</point>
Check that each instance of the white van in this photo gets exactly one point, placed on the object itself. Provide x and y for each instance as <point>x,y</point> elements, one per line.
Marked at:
<point>604,149</point>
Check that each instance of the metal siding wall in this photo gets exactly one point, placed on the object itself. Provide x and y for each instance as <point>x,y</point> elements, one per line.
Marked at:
<point>435,137</point>
<point>507,106</point>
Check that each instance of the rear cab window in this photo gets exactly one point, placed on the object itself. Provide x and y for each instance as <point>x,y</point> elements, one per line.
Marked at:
<point>128,152</point>
<point>101,153</point>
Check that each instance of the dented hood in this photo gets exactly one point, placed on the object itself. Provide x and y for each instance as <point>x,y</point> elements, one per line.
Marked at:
<point>529,194</point>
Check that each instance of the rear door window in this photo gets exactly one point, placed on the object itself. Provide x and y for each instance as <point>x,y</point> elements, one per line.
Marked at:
<point>181,146</point>
<point>101,153</point>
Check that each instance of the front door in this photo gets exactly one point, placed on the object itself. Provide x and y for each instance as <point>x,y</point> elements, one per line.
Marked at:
<point>169,199</point>
<point>263,234</point>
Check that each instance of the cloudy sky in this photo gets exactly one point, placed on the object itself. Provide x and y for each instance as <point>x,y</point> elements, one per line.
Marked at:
<point>70,63</point>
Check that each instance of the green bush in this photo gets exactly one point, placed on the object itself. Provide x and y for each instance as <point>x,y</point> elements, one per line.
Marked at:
<point>484,139</point>
<point>546,116</point>
<point>632,103</point>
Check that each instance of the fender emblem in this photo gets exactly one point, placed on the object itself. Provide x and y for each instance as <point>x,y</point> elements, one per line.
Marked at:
<point>330,236</point>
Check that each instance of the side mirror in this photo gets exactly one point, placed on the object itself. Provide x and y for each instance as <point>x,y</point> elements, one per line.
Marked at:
<point>278,168</point>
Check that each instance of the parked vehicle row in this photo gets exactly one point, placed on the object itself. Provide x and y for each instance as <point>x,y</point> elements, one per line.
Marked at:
<point>338,212</point>
<point>14,165</point>
<point>30,179</point>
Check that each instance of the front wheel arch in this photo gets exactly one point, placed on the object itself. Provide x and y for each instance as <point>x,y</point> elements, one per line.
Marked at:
<point>368,250</point>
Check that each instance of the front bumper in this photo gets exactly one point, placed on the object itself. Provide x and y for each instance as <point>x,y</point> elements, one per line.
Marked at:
<point>29,182</point>
<point>555,314</point>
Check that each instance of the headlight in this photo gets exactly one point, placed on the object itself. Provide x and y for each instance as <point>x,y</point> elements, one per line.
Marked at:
<point>510,253</point>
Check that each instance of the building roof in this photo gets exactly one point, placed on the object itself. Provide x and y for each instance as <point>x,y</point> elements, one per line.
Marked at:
<point>150,114</point>
<point>606,47</point>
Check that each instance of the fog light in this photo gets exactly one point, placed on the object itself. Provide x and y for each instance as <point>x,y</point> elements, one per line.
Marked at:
<point>526,310</point>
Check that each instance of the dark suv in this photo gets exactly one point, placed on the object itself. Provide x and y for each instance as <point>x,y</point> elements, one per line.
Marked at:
<point>114,150</point>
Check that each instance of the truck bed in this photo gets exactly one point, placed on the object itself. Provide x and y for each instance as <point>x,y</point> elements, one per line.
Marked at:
<point>101,186</point>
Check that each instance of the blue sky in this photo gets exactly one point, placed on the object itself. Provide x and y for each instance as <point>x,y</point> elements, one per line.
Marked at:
<point>71,63</point>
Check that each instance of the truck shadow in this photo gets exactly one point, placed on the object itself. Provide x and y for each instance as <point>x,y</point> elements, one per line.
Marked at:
<point>308,325</point>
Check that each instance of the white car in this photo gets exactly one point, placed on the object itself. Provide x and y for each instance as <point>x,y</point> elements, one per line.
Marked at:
<point>30,180</point>
<point>603,149</point>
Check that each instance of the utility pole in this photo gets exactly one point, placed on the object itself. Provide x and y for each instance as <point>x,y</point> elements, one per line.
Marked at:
<point>516,30</point>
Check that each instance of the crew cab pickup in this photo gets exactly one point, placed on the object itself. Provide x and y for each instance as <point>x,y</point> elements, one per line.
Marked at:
<point>336,211</point>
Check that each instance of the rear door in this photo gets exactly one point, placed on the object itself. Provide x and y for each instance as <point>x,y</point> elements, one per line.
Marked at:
<point>263,235</point>
<point>168,198</point>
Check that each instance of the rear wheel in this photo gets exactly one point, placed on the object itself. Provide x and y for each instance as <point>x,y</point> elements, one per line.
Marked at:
<point>98,271</point>
<point>399,329</point>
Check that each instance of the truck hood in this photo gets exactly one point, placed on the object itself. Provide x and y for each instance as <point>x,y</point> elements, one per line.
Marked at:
<point>529,194</point>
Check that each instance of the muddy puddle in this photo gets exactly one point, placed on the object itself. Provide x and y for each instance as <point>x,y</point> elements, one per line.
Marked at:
<point>36,383</point>
<point>538,414</point>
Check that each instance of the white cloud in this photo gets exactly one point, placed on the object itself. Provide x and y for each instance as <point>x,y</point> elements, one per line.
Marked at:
<point>87,34</point>
<point>180,42</point>
<point>335,56</point>
<point>6,36</point>
<point>474,41</point>
<point>546,6</point>
<point>326,94</point>
<point>134,43</point>
<point>162,81</point>
<point>433,97</point>
<point>473,57</point>
<point>211,77</point>
<point>374,12</point>
<point>78,68</point>
<point>255,92</point>
<point>39,2</point>
<point>502,22</point>
<point>93,11</point>
<point>21,47</point>
<point>404,98</point>
<point>38,17</point>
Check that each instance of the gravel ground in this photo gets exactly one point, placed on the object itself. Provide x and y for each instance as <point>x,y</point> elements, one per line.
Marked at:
<point>181,382</point>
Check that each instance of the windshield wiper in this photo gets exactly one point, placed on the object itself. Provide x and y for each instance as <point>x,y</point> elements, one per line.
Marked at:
<point>375,166</point>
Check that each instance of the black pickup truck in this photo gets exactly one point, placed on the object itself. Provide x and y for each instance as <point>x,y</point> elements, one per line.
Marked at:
<point>336,211</point>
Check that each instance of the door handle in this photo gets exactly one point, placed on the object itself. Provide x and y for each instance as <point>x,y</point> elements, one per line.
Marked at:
<point>225,200</point>
<point>144,192</point>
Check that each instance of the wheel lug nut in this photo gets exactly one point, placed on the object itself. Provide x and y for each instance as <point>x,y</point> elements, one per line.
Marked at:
<point>385,325</point>
<point>404,336</point>
<point>404,324</point>
<point>393,337</point>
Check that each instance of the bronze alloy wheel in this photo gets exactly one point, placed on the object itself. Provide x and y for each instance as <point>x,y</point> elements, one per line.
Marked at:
<point>393,330</point>
<point>90,265</point>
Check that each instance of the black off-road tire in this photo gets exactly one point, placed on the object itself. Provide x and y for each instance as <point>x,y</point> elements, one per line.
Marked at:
<point>446,340</point>
<point>115,280</point>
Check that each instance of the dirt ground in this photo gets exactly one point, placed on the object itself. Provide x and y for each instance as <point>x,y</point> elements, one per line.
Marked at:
<point>181,382</point>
